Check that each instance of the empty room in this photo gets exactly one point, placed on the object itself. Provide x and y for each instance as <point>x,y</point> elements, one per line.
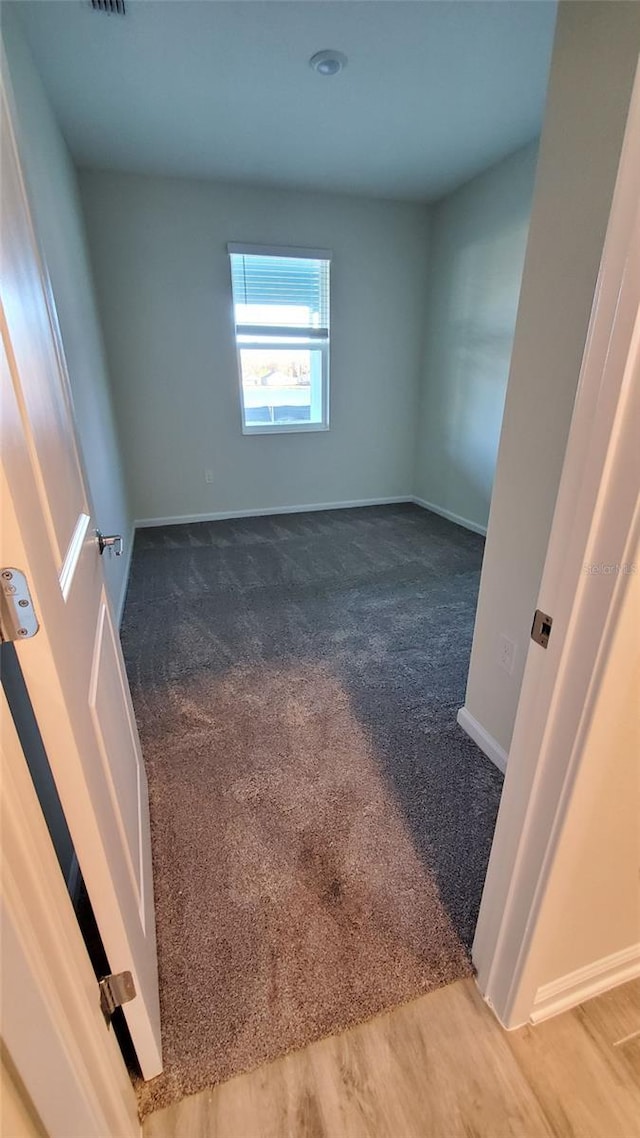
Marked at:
<point>298,300</point>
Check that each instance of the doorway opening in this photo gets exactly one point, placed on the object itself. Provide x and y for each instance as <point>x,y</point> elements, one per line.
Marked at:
<point>321,826</point>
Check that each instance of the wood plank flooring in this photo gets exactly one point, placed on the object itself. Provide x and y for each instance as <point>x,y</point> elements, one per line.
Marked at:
<point>439,1067</point>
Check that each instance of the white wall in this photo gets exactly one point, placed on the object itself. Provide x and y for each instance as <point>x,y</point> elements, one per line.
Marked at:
<point>594,60</point>
<point>158,247</point>
<point>53,194</point>
<point>478,241</point>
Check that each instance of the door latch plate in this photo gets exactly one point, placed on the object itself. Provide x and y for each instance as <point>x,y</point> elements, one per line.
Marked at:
<point>18,620</point>
<point>541,628</point>
<point>115,990</point>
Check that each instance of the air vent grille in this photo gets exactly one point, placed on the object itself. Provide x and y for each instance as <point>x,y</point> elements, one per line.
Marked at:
<point>112,7</point>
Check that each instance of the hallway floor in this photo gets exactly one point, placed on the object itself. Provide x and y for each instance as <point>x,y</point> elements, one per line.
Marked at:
<point>320,825</point>
<point>440,1067</point>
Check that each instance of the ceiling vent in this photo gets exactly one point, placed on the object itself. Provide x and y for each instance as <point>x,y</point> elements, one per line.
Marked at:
<point>111,7</point>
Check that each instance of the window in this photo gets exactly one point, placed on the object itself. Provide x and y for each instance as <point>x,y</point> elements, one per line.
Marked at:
<point>281,310</point>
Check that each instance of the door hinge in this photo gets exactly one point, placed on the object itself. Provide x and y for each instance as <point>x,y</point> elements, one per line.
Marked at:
<point>116,989</point>
<point>541,628</point>
<point>18,620</point>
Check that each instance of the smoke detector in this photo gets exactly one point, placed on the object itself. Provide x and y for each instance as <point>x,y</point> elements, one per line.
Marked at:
<point>328,62</point>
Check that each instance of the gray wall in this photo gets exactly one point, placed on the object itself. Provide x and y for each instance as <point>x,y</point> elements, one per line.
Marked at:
<point>479,235</point>
<point>158,247</point>
<point>53,195</point>
<point>594,61</point>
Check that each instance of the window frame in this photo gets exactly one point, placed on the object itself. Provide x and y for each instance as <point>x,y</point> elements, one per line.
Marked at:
<point>282,338</point>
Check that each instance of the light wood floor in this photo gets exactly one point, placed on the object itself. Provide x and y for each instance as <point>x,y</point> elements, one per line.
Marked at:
<point>440,1067</point>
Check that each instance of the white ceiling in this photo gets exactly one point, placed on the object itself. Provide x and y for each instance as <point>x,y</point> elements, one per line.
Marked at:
<point>434,91</point>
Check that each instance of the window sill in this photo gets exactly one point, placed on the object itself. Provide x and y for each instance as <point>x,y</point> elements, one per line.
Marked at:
<point>285,428</point>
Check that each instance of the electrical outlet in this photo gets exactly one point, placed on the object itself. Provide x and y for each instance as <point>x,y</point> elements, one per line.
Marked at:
<point>208,476</point>
<point>506,654</point>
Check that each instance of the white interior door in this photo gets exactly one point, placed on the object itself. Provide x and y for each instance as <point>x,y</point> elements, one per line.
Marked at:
<point>62,1071</point>
<point>73,667</point>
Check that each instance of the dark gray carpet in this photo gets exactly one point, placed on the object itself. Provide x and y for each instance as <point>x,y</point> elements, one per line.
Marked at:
<point>320,825</point>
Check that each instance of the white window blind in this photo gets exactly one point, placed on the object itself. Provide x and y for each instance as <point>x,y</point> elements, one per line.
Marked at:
<point>280,293</point>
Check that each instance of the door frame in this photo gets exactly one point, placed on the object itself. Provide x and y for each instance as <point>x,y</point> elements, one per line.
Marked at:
<point>596,521</point>
<point>67,1059</point>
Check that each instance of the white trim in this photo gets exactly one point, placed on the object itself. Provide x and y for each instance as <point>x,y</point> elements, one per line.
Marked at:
<point>268,511</point>
<point>485,741</point>
<point>238,249</point>
<point>466,523</point>
<point>282,428</point>
<point>585,983</point>
<point>225,515</point>
<point>128,554</point>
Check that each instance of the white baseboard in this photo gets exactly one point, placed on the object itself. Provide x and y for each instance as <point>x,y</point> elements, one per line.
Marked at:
<point>464,522</point>
<point>127,555</point>
<point>585,983</point>
<point>269,511</point>
<point>485,741</point>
